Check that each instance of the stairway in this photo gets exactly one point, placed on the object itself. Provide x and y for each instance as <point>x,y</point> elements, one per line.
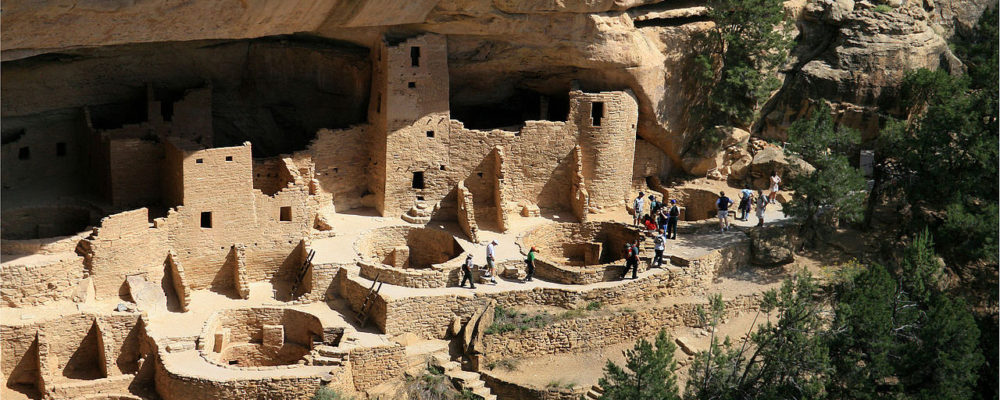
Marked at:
<point>594,393</point>
<point>328,355</point>
<point>463,380</point>
<point>420,213</point>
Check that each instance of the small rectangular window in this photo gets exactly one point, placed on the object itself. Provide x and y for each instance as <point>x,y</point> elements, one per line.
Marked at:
<point>24,153</point>
<point>418,180</point>
<point>199,161</point>
<point>415,56</point>
<point>229,158</point>
<point>597,112</point>
<point>411,85</point>
<point>285,214</point>
<point>206,219</point>
<point>60,149</point>
<point>430,133</point>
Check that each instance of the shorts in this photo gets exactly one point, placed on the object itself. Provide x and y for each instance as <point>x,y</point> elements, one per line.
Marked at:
<point>723,214</point>
<point>760,213</point>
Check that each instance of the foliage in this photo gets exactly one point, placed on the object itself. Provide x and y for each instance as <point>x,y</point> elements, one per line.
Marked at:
<point>784,359</point>
<point>901,336</point>
<point>509,320</point>
<point>328,393</point>
<point>883,8</point>
<point>560,384</point>
<point>434,385</point>
<point>944,157</point>
<point>594,306</point>
<point>509,364</point>
<point>648,373</point>
<point>750,40</point>
<point>833,188</point>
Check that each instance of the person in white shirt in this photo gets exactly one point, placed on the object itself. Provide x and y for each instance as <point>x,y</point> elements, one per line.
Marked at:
<point>490,249</point>
<point>762,203</point>
<point>775,180</point>
<point>660,242</point>
<point>637,206</point>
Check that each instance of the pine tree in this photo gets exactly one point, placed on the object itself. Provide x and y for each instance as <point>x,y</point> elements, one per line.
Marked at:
<point>648,373</point>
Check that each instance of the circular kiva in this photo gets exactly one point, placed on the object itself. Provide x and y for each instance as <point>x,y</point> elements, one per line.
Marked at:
<point>572,253</point>
<point>243,338</point>
<point>410,256</point>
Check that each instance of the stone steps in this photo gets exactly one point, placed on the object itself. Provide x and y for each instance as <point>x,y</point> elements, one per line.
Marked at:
<point>595,392</point>
<point>462,380</point>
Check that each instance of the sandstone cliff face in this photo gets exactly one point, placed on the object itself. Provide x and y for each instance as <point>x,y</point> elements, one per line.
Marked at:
<point>849,53</point>
<point>854,55</point>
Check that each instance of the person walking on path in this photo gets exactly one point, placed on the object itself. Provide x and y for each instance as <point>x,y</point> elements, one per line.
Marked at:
<point>762,203</point>
<point>637,206</point>
<point>723,204</point>
<point>467,268</point>
<point>490,264</point>
<point>746,200</point>
<point>660,242</point>
<point>775,180</point>
<point>530,261</point>
<point>672,216</point>
<point>631,259</point>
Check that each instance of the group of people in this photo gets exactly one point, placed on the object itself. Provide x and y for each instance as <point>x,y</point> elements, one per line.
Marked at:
<point>662,218</point>
<point>489,271</point>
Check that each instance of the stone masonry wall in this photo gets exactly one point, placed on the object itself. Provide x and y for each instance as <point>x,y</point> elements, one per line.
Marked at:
<point>38,282</point>
<point>374,365</point>
<point>588,333</point>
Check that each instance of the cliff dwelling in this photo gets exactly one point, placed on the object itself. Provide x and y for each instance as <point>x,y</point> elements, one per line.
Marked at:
<point>284,200</point>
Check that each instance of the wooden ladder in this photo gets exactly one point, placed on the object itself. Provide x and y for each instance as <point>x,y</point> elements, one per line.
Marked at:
<point>362,317</point>
<point>302,271</point>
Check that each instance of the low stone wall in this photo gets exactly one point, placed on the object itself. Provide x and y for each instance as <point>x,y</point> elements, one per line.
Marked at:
<point>245,326</point>
<point>373,365</point>
<point>580,275</point>
<point>563,240</point>
<point>38,282</point>
<point>434,277</point>
<point>171,386</point>
<point>505,389</point>
<point>43,246</point>
<point>590,333</point>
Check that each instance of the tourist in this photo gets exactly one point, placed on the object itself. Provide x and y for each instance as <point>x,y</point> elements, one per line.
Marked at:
<point>631,259</point>
<point>654,206</point>
<point>661,219</point>
<point>490,264</point>
<point>530,261</point>
<point>746,197</point>
<point>637,206</point>
<point>647,221</point>
<point>672,216</point>
<point>722,204</point>
<point>775,180</point>
<point>467,268</point>
<point>660,245</point>
<point>762,203</point>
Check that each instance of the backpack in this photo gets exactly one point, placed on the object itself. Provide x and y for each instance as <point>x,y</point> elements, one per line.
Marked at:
<point>674,212</point>
<point>659,240</point>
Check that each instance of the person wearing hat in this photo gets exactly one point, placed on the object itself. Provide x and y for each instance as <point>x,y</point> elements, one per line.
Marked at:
<point>530,261</point>
<point>672,216</point>
<point>490,249</point>
<point>467,273</point>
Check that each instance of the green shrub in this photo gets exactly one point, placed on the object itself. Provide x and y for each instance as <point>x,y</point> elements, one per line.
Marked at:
<point>594,306</point>
<point>883,8</point>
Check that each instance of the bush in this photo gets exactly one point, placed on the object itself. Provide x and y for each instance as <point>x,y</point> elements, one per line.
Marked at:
<point>328,393</point>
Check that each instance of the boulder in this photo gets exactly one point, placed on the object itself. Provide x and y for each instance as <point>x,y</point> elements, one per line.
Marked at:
<point>774,244</point>
<point>702,162</point>
<point>773,158</point>
<point>485,321</point>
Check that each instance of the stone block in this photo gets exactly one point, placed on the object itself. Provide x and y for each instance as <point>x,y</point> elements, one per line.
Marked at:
<point>273,336</point>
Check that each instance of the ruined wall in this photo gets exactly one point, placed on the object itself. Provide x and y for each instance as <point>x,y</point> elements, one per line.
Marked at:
<point>505,389</point>
<point>124,244</point>
<point>372,366</point>
<point>341,159</point>
<point>427,246</point>
<point>36,282</point>
<point>134,166</point>
<point>76,347</point>
<point>43,150</point>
